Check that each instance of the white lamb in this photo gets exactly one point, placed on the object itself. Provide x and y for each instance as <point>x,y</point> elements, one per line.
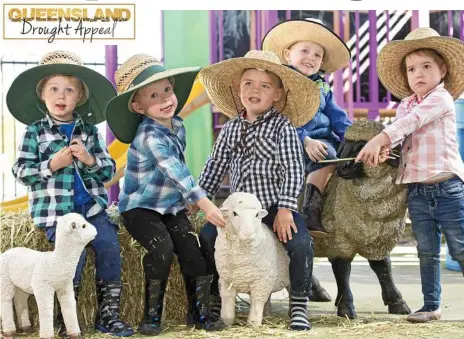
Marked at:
<point>25,271</point>
<point>249,257</point>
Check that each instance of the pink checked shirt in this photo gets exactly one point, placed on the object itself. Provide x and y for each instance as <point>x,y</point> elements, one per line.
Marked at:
<point>427,131</point>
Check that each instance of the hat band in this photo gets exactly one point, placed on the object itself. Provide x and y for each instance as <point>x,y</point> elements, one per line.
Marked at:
<point>146,73</point>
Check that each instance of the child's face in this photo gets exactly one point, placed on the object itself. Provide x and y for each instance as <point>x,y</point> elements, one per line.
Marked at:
<point>258,91</point>
<point>424,73</point>
<point>157,101</point>
<point>61,94</point>
<point>305,56</point>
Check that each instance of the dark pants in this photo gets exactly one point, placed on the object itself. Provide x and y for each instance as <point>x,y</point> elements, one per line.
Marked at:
<point>162,236</point>
<point>299,249</point>
<point>105,245</point>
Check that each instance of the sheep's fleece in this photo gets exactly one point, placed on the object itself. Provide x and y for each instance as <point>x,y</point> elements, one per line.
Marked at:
<point>25,271</point>
<point>249,257</point>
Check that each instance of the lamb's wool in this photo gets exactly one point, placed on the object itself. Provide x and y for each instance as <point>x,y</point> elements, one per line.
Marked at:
<point>25,271</point>
<point>249,257</point>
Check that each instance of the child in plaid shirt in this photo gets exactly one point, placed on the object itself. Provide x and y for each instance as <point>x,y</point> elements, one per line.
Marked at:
<point>64,162</point>
<point>431,67</point>
<point>158,185</point>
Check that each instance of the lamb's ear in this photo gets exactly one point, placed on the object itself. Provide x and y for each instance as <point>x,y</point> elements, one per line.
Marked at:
<point>261,214</point>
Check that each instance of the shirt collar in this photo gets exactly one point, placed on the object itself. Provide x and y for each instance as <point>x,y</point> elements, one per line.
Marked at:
<point>176,124</point>
<point>416,99</point>
<point>259,119</point>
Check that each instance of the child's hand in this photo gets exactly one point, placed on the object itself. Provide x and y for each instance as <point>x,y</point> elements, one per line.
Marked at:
<point>79,151</point>
<point>316,149</point>
<point>283,224</point>
<point>192,210</point>
<point>384,154</point>
<point>63,158</point>
<point>370,153</point>
<point>212,213</point>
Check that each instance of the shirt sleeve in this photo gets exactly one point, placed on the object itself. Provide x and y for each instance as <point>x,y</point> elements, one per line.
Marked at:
<point>290,158</point>
<point>217,164</point>
<point>104,168</point>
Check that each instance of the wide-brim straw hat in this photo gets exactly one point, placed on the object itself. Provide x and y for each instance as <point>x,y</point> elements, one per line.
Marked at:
<point>283,35</point>
<point>390,61</point>
<point>24,95</point>
<point>138,71</point>
<point>300,100</point>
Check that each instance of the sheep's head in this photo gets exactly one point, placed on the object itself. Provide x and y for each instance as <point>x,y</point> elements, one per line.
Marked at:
<point>75,229</point>
<point>356,137</point>
<point>243,213</point>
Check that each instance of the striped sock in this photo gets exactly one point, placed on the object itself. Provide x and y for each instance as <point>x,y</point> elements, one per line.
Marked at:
<point>298,318</point>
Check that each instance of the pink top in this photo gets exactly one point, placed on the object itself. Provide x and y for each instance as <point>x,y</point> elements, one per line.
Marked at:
<point>427,130</point>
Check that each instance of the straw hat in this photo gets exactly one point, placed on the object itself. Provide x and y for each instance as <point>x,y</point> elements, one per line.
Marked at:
<point>24,95</point>
<point>390,60</point>
<point>285,34</point>
<point>139,71</point>
<point>222,79</point>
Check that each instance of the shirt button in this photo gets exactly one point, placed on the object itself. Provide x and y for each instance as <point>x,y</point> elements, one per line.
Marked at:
<point>404,165</point>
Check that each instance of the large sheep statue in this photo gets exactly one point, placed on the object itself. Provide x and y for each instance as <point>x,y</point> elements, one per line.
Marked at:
<point>249,257</point>
<point>25,271</point>
<point>364,213</point>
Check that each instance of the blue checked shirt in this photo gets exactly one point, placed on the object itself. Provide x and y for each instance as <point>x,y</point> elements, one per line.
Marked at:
<point>156,176</point>
<point>263,157</point>
<point>52,194</point>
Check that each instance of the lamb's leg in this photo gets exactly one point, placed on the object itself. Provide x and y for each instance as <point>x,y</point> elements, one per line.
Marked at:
<point>68,308</point>
<point>228,304</point>
<point>255,317</point>
<point>44,297</point>
<point>344,302</point>
<point>22,311</point>
<point>390,294</point>
<point>318,293</point>
<point>7,295</point>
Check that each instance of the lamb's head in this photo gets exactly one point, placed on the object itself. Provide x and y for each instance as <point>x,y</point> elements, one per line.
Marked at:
<point>243,213</point>
<point>75,229</point>
<point>356,136</point>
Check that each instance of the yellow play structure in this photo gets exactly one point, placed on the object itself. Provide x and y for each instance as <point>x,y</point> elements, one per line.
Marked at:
<point>118,150</point>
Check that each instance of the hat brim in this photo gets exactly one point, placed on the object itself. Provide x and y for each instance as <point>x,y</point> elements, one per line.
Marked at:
<point>299,103</point>
<point>26,106</point>
<point>336,53</point>
<point>390,59</point>
<point>124,123</point>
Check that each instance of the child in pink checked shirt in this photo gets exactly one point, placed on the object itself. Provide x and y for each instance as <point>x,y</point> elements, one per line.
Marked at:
<point>426,70</point>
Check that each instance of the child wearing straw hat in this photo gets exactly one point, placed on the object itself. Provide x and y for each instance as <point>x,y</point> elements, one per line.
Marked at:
<point>158,185</point>
<point>64,162</point>
<point>312,49</point>
<point>426,70</point>
<point>260,147</point>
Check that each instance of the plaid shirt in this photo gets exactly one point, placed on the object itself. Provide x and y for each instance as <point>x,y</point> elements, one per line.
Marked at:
<point>427,130</point>
<point>264,157</point>
<point>52,194</point>
<point>157,177</point>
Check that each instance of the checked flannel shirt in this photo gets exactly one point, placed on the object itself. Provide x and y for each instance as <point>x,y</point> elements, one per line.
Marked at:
<point>264,158</point>
<point>51,194</point>
<point>157,177</point>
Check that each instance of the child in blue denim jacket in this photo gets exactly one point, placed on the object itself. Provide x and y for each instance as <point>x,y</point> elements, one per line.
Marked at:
<point>306,46</point>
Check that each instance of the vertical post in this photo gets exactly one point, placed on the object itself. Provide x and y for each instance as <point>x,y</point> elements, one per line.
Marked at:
<point>373,113</point>
<point>111,65</point>
<point>450,23</point>
<point>358,59</point>
<point>387,23</point>
<point>414,20</point>
<point>461,25</point>
<point>349,94</point>
<point>338,76</point>
<point>272,18</point>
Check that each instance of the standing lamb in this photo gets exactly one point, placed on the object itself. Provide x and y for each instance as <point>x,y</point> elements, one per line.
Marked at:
<point>249,257</point>
<point>25,271</point>
<point>364,213</point>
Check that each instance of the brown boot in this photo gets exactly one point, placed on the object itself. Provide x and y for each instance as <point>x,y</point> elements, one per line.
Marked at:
<point>311,211</point>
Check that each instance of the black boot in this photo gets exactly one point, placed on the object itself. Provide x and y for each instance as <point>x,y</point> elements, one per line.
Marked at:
<point>190,291</point>
<point>107,319</point>
<point>200,296</point>
<point>311,211</point>
<point>154,298</point>
<point>61,328</point>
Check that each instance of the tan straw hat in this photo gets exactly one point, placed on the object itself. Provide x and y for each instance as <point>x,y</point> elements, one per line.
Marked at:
<point>299,103</point>
<point>390,61</point>
<point>139,71</point>
<point>285,34</point>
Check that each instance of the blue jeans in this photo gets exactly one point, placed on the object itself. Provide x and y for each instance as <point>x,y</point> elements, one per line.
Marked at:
<point>105,245</point>
<point>299,249</point>
<point>433,209</point>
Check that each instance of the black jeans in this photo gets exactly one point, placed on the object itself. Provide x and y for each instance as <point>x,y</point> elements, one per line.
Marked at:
<point>162,236</point>
<point>299,249</point>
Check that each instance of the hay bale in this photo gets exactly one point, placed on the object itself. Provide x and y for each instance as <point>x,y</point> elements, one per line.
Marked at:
<point>17,230</point>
